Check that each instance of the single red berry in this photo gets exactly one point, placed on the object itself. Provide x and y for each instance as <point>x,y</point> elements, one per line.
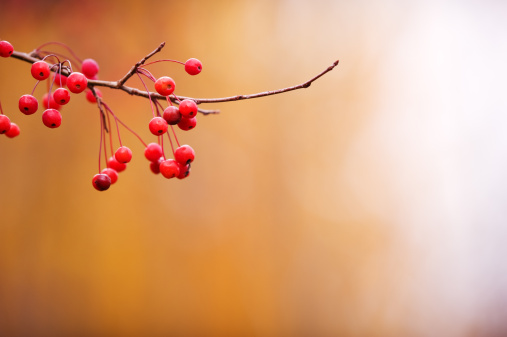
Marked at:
<point>6,49</point>
<point>28,104</point>
<point>188,108</point>
<point>187,123</point>
<point>111,174</point>
<point>40,70</point>
<point>165,86</point>
<point>193,66</point>
<point>153,152</point>
<point>89,68</point>
<point>116,165</point>
<point>13,131</point>
<point>52,118</point>
<point>158,126</point>
<point>172,115</point>
<point>77,82</point>
<point>184,154</point>
<point>155,165</point>
<point>61,96</point>
<point>169,168</point>
<point>90,97</point>
<point>60,80</point>
<point>184,171</point>
<point>48,102</point>
<point>101,182</point>
<point>5,124</point>
<point>123,154</point>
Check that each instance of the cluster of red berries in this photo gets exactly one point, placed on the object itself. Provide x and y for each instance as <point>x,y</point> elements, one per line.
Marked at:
<point>7,127</point>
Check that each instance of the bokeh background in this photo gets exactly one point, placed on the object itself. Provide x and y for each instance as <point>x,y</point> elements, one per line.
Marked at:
<point>371,204</point>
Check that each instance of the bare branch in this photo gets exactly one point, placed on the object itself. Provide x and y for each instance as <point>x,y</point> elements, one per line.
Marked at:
<point>138,64</point>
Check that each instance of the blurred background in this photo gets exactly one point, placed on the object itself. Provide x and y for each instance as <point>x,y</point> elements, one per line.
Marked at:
<point>372,203</point>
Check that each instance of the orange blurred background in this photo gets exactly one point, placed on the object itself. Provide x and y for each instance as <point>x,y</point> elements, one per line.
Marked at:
<point>370,204</point>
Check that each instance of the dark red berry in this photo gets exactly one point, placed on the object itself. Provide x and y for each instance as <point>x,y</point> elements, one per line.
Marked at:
<point>193,66</point>
<point>116,165</point>
<point>184,154</point>
<point>61,96</point>
<point>111,174</point>
<point>101,182</point>
<point>28,104</point>
<point>40,70</point>
<point>184,171</point>
<point>187,123</point>
<point>6,49</point>
<point>123,154</point>
<point>165,85</point>
<point>13,131</point>
<point>52,118</point>
<point>158,126</point>
<point>188,108</point>
<point>90,97</point>
<point>89,68</point>
<point>172,115</point>
<point>153,152</point>
<point>5,124</point>
<point>155,165</point>
<point>169,168</point>
<point>48,102</point>
<point>77,82</point>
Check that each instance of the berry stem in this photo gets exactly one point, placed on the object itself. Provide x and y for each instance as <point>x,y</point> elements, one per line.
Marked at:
<point>38,49</point>
<point>165,60</point>
<point>1,110</point>
<point>101,137</point>
<point>119,120</point>
<point>149,94</point>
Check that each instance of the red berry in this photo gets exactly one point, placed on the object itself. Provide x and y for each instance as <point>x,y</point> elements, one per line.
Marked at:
<point>123,154</point>
<point>158,126</point>
<point>28,104</point>
<point>165,86</point>
<point>61,96</point>
<point>116,165</point>
<point>155,165</point>
<point>77,82</point>
<point>169,168</point>
<point>188,108</point>
<point>13,131</point>
<point>184,171</point>
<point>52,118</point>
<point>5,124</point>
<point>153,152</point>
<point>90,97</point>
<point>90,68</point>
<point>101,182</point>
<point>193,66</point>
<point>48,102</point>
<point>184,154</point>
<point>6,49</point>
<point>60,80</point>
<point>111,174</point>
<point>172,115</point>
<point>187,123</point>
<point>40,70</point>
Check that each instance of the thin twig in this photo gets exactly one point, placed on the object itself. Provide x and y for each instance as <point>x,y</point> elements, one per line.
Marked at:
<point>132,71</point>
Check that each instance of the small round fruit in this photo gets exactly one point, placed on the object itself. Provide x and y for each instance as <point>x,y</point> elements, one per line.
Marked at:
<point>61,96</point>
<point>48,102</point>
<point>165,85</point>
<point>184,154</point>
<point>40,70</point>
<point>60,80</point>
<point>90,68</point>
<point>158,126</point>
<point>193,66</point>
<point>188,108</point>
<point>5,124</point>
<point>123,154</point>
<point>90,97</point>
<point>52,118</point>
<point>184,171</point>
<point>13,131</point>
<point>6,49</point>
<point>153,152</point>
<point>101,182</point>
<point>172,115</point>
<point>77,82</point>
<point>111,174</point>
<point>187,123</point>
<point>169,168</point>
<point>28,104</point>
<point>155,165</point>
<point>116,165</point>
